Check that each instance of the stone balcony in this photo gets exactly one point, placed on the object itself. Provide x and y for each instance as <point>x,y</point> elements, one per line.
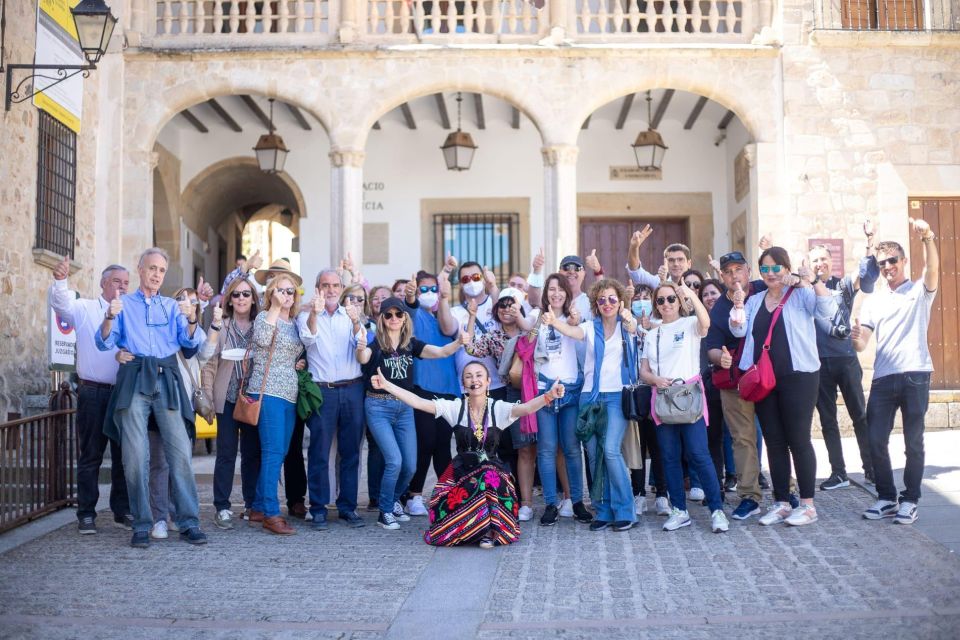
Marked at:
<point>313,24</point>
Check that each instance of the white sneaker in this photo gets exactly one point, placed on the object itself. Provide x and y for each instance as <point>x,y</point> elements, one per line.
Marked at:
<point>776,514</point>
<point>907,513</point>
<point>676,520</point>
<point>697,494</point>
<point>804,514</point>
<point>398,512</point>
<point>566,508</point>
<point>415,506</point>
<point>718,521</point>
<point>881,509</point>
<point>224,519</point>
<point>662,505</point>
<point>526,513</point>
<point>639,505</point>
<point>159,531</point>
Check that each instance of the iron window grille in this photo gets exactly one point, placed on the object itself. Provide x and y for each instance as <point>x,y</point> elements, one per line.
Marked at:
<point>56,186</point>
<point>490,239</point>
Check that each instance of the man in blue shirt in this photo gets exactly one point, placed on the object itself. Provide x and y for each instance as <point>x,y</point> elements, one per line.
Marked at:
<point>153,328</point>
<point>839,365</point>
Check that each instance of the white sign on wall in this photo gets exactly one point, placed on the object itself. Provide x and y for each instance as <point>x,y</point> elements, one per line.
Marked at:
<point>631,172</point>
<point>57,44</point>
<point>62,343</point>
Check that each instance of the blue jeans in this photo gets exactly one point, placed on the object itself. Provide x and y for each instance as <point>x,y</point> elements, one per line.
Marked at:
<point>374,466</point>
<point>232,435</point>
<point>341,414</point>
<point>136,458</point>
<point>555,428</point>
<point>617,502</point>
<point>909,392</point>
<point>276,429</point>
<point>674,440</point>
<point>391,424</point>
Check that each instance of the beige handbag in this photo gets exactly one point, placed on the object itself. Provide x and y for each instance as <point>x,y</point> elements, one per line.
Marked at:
<point>630,447</point>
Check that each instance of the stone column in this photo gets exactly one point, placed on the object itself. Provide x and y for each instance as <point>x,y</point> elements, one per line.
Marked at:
<point>346,204</point>
<point>137,216</point>
<point>560,229</point>
<point>347,31</point>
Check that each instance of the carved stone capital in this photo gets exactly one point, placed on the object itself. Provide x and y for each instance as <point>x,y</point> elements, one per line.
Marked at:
<point>559,154</point>
<point>750,154</point>
<point>347,158</point>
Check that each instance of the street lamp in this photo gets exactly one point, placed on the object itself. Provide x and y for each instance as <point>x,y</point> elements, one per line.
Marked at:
<point>94,23</point>
<point>648,147</point>
<point>458,148</point>
<point>270,150</point>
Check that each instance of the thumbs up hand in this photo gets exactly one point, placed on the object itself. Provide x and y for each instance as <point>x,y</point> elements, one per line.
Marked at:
<point>62,270</point>
<point>592,261</point>
<point>217,319</point>
<point>538,261</point>
<point>204,290</point>
<point>857,331</point>
<point>738,296</point>
<point>116,306</point>
<point>726,360</point>
<point>805,273</point>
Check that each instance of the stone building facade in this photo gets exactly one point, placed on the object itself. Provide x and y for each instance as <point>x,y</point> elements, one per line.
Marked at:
<point>838,124</point>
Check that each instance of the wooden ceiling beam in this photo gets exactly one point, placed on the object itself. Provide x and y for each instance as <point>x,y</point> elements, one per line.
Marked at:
<point>195,121</point>
<point>226,117</point>
<point>299,117</point>
<point>727,117</point>
<point>442,110</point>
<point>625,110</point>
<point>697,108</point>
<point>256,110</point>
<point>408,115</point>
<point>661,108</point>
<point>478,106</point>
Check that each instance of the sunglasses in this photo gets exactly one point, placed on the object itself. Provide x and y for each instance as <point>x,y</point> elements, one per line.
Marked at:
<point>693,284</point>
<point>288,290</point>
<point>661,299</point>
<point>476,277</point>
<point>241,294</point>
<point>889,262</point>
<point>571,267</point>
<point>505,304</point>
<point>610,300</point>
<point>425,289</point>
<point>183,298</point>
<point>768,268</point>
<point>352,298</point>
<point>390,315</point>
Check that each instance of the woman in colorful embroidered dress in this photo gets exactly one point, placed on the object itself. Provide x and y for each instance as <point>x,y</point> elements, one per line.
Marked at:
<point>474,501</point>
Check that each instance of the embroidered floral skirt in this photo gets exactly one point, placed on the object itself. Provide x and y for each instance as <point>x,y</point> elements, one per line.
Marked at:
<point>482,503</point>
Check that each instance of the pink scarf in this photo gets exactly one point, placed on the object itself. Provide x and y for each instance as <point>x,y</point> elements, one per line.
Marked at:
<point>528,380</point>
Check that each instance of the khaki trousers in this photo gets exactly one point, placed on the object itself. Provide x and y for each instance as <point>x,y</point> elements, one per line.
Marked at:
<point>739,415</point>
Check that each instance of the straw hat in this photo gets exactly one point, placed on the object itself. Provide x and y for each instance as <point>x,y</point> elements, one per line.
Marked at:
<point>277,268</point>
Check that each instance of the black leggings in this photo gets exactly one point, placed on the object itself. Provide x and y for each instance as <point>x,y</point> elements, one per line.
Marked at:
<point>785,417</point>
<point>649,447</point>
<point>433,442</point>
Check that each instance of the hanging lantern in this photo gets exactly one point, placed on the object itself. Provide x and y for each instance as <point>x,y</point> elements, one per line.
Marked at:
<point>459,147</point>
<point>649,148</point>
<point>270,149</point>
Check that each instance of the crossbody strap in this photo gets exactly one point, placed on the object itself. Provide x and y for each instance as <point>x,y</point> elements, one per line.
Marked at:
<point>186,365</point>
<point>266,369</point>
<point>776,316</point>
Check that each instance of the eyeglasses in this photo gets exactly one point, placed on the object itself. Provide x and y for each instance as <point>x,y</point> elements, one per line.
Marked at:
<point>766,268</point>
<point>288,290</point>
<point>609,300</point>
<point>733,256</point>
<point>390,315</point>
<point>693,284</point>
<point>241,294</point>
<point>185,298</point>
<point>425,289</point>
<point>475,277</point>
<point>661,299</point>
<point>154,309</point>
<point>888,262</point>
<point>353,298</point>
<point>571,266</point>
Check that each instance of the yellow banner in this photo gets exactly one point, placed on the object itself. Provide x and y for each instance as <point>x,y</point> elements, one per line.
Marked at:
<point>43,101</point>
<point>59,10</point>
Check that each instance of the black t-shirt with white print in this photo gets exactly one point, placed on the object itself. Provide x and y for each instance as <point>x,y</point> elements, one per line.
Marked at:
<point>397,366</point>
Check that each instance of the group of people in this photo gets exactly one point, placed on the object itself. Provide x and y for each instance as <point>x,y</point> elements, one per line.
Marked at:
<point>537,383</point>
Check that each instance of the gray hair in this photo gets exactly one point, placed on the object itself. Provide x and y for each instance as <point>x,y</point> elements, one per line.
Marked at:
<point>114,267</point>
<point>327,272</point>
<point>153,251</point>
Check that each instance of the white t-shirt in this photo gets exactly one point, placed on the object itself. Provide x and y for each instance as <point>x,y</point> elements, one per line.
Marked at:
<point>900,320</point>
<point>450,409</point>
<point>610,379</point>
<point>679,354</point>
<point>582,304</point>
<point>485,323</point>
<point>562,363</point>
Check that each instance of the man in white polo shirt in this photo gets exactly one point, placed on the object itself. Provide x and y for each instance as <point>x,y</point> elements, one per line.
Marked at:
<point>98,373</point>
<point>899,316</point>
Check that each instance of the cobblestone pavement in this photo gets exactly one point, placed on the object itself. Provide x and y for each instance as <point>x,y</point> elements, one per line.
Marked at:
<point>840,578</point>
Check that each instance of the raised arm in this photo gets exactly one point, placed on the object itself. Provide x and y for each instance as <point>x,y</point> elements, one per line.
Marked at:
<point>433,352</point>
<point>572,332</point>
<point>931,256</point>
<point>448,324</point>
<point>703,316</point>
<point>541,401</point>
<point>379,381</point>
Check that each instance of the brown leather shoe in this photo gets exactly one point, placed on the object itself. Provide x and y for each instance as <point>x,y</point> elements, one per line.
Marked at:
<point>255,517</point>
<point>278,525</point>
<point>298,510</point>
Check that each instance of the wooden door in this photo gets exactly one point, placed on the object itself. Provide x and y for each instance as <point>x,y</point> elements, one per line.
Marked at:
<point>900,15</point>
<point>943,337</point>
<point>859,15</point>
<point>611,238</point>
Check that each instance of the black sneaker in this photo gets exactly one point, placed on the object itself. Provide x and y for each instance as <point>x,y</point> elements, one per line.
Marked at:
<point>730,483</point>
<point>622,525</point>
<point>193,535</point>
<point>581,513</point>
<point>140,540</point>
<point>599,525</point>
<point>124,522</point>
<point>550,515</point>
<point>868,476</point>
<point>86,526</point>
<point>835,481</point>
<point>762,481</point>
<point>352,520</point>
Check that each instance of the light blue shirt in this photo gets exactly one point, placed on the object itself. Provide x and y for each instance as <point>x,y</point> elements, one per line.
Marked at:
<point>331,351</point>
<point>798,317</point>
<point>154,327</point>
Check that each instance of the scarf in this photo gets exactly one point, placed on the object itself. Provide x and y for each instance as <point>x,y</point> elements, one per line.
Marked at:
<point>524,348</point>
<point>234,339</point>
<point>628,365</point>
<point>592,423</point>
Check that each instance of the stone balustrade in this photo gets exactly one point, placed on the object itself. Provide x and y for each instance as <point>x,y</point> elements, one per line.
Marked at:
<point>200,24</point>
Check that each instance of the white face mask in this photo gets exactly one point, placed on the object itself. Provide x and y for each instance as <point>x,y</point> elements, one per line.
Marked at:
<point>473,289</point>
<point>429,299</point>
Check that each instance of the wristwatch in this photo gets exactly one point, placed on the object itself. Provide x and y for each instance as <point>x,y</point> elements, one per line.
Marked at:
<point>929,237</point>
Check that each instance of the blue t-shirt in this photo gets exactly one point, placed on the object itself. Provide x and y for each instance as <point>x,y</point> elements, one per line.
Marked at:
<point>435,375</point>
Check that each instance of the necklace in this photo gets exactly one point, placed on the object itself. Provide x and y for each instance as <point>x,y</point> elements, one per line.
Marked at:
<point>478,418</point>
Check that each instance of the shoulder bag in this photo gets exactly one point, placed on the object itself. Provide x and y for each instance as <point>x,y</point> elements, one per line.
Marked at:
<point>634,398</point>
<point>681,402</point>
<point>728,378</point>
<point>247,410</point>
<point>202,405</point>
<point>515,375</point>
<point>758,381</point>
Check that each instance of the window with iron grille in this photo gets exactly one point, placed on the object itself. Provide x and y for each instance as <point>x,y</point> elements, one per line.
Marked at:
<point>490,239</point>
<point>56,186</point>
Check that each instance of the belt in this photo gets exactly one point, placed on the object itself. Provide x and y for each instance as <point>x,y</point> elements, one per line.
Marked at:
<point>380,396</point>
<point>338,383</point>
<point>95,385</point>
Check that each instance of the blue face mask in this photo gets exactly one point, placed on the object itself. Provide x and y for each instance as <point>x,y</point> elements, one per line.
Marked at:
<point>642,307</point>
